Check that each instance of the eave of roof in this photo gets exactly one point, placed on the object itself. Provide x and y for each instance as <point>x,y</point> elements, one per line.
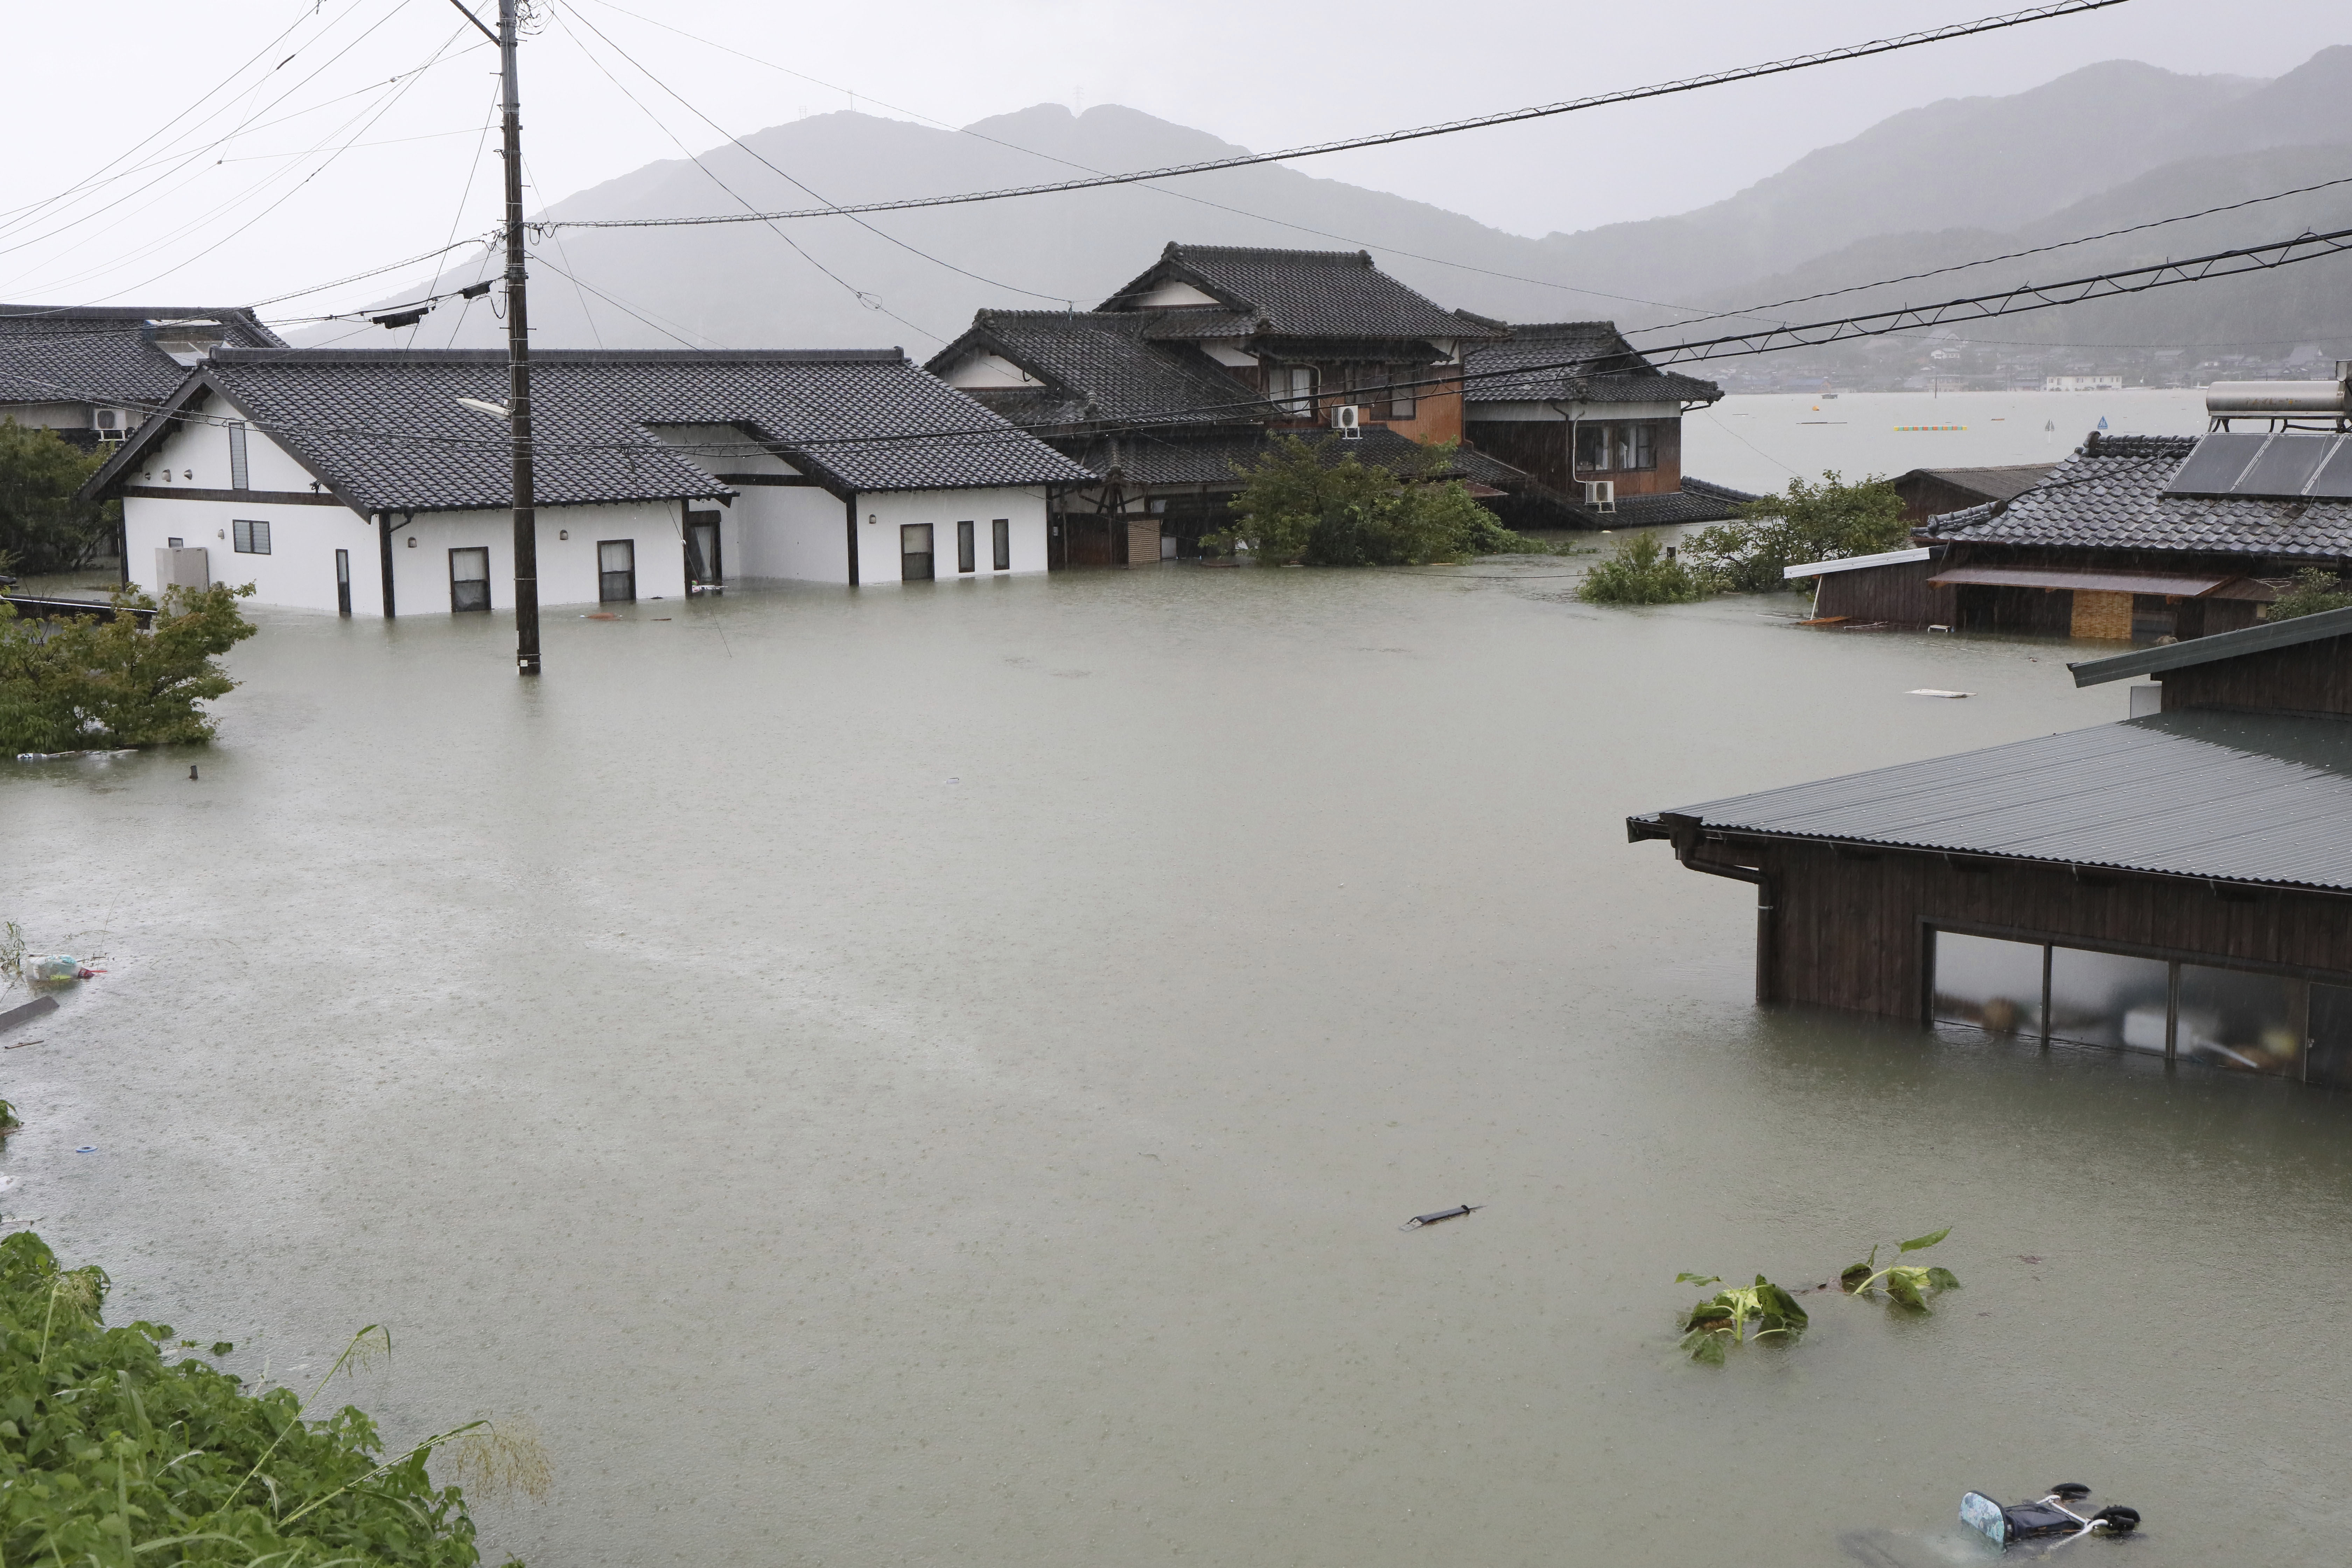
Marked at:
<point>2259,638</point>
<point>2205,794</point>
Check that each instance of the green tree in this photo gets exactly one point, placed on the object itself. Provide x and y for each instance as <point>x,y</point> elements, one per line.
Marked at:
<point>117,1447</point>
<point>85,684</point>
<point>2315,589</point>
<point>1642,573</point>
<point>1298,504</point>
<point>42,527</point>
<point>1826,521</point>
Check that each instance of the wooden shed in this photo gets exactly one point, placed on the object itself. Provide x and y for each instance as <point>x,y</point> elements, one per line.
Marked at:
<point>2178,884</point>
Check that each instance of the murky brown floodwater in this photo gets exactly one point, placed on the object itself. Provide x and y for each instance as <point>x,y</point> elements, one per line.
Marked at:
<point>934,1078</point>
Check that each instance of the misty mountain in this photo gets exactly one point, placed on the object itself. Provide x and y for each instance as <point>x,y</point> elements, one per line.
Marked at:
<point>2099,148</point>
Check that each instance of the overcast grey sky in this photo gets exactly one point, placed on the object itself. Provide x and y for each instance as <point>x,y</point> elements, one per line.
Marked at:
<point>244,221</point>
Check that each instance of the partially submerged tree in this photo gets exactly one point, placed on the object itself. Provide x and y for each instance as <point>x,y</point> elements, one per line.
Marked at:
<point>42,527</point>
<point>1642,572</point>
<point>85,683</point>
<point>1298,503</point>
<point>118,1446</point>
<point>2315,589</point>
<point>1831,520</point>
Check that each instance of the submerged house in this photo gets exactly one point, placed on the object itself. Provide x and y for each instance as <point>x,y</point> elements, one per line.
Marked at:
<point>1195,365</point>
<point>2132,536</point>
<point>94,373</point>
<point>1596,426</point>
<point>372,482</point>
<point>2178,884</point>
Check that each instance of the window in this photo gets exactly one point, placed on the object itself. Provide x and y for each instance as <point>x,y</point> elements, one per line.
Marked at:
<point>343,582</point>
<point>1996,985</point>
<point>1293,386</point>
<point>238,476</point>
<point>1001,536</point>
<point>616,571</point>
<point>1644,448</point>
<point>1372,390</point>
<point>967,557</point>
<point>915,552</point>
<point>469,580</point>
<point>1401,392</point>
<point>2108,999</point>
<point>251,538</point>
<point>1592,448</point>
<point>703,566</point>
<point>2233,1019</point>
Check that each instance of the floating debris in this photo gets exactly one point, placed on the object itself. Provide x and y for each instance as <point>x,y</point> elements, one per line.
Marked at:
<point>27,1013</point>
<point>1457,1212</point>
<point>1932,691</point>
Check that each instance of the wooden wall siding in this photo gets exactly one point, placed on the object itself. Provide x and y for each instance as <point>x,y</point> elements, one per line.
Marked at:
<point>1847,931</point>
<point>1899,594</point>
<point>1663,480</point>
<point>1926,496</point>
<point>2046,612</point>
<point>2101,617</point>
<point>1538,446</point>
<point>2312,677</point>
<point>1436,415</point>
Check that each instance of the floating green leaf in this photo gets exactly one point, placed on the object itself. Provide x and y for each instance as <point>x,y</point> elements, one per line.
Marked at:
<point>1688,1279</point>
<point>1916,1242</point>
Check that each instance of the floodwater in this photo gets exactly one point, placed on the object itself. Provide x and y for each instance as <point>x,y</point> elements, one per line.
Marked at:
<point>1758,442</point>
<point>934,1076</point>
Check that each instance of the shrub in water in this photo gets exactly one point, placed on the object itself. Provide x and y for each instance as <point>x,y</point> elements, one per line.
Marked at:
<point>1642,573</point>
<point>85,683</point>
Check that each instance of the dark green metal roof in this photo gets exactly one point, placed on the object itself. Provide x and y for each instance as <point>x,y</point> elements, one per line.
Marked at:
<point>2201,792</point>
<point>2222,645</point>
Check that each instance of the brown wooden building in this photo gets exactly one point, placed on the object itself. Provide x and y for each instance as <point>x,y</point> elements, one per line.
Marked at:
<point>1597,427</point>
<point>2178,884</point>
<point>2131,538</point>
<point>1931,492</point>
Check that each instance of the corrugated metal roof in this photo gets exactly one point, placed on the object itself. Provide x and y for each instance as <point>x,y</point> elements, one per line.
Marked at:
<point>2238,797</point>
<point>1856,562</point>
<point>2220,645</point>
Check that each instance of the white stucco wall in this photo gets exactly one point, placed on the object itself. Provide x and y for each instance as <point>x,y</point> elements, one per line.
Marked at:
<point>567,537</point>
<point>982,369</point>
<point>793,530</point>
<point>880,516</point>
<point>299,573</point>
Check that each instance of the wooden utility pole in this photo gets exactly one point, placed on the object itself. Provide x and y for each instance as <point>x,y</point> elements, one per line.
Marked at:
<point>526,511</point>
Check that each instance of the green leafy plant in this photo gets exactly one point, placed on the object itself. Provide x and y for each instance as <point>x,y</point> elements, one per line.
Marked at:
<point>1642,572</point>
<point>1720,1322</point>
<point>1905,1283</point>
<point>1827,522</point>
<point>122,1446</point>
<point>2315,589</point>
<point>85,684</point>
<point>43,526</point>
<point>1318,505</point>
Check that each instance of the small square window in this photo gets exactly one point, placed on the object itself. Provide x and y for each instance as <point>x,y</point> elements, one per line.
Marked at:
<point>252,538</point>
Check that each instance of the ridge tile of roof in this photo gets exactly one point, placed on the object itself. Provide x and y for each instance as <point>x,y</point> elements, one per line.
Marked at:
<point>1301,293</point>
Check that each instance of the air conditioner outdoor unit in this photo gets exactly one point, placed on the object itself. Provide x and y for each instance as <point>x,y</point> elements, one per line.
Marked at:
<point>1600,495</point>
<point>109,423</point>
<point>1346,419</point>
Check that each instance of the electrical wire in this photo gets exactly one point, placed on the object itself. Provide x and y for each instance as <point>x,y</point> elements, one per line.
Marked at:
<point>999,432</point>
<point>1390,138</point>
<point>872,301</point>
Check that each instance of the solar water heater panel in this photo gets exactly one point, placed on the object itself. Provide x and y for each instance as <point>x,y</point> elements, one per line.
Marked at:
<point>2213,464</point>
<point>2333,480</point>
<point>2284,466</point>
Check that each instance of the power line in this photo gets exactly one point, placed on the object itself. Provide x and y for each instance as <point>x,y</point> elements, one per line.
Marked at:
<point>1995,260</point>
<point>2194,269</point>
<point>1390,138</point>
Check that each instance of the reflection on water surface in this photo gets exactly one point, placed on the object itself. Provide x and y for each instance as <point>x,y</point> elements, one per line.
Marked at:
<point>935,1077</point>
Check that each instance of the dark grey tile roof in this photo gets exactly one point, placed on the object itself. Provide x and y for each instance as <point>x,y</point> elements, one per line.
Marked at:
<point>2109,494</point>
<point>385,430</point>
<point>1300,293</point>
<point>1696,501</point>
<point>104,353</point>
<point>2238,797</point>
<point>1100,366</point>
<point>1575,362</point>
<point>1994,484</point>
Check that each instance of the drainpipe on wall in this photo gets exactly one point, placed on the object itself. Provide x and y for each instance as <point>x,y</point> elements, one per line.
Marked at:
<point>850,503</point>
<point>1683,833</point>
<point>383,551</point>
